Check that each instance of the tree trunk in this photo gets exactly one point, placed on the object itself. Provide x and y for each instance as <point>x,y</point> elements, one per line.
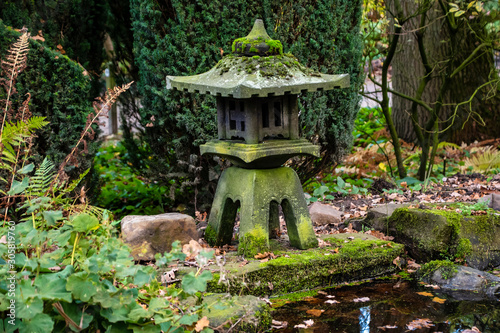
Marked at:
<point>408,70</point>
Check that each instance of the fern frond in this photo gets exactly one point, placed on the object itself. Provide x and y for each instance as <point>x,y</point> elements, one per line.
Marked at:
<point>14,63</point>
<point>484,160</point>
<point>40,182</point>
<point>15,134</point>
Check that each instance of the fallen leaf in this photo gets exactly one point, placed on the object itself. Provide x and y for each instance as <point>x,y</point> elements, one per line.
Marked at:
<point>243,263</point>
<point>383,328</point>
<point>264,260</point>
<point>331,301</point>
<point>361,299</point>
<point>419,324</point>
<point>192,249</point>
<point>425,293</point>
<point>321,292</point>
<point>270,285</point>
<point>433,286</point>
<point>201,324</point>
<point>315,312</point>
<point>261,255</point>
<point>439,300</point>
<point>278,324</point>
<point>309,322</point>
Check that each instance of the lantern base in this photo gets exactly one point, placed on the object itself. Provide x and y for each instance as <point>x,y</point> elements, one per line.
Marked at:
<point>258,193</point>
<point>265,155</point>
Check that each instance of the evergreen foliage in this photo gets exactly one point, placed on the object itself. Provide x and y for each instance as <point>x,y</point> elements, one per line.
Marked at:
<point>76,27</point>
<point>188,37</point>
<point>60,92</point>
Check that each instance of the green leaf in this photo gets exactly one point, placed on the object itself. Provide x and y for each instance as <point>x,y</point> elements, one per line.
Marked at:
<point>41,323</point>
<point>83,285</point>
<point>26,169</point>
<point>18,187</point>
<point>188,319</point>
<point>52,216</point>
<point>340,182</point>
<point>143,276</point>
<point>84,222</point>
<point>151,328</point>
<point>192,283</point>
<point>139,313</point>
<point>167,327</point>
<point>52,287</point>
<point>29,308</point>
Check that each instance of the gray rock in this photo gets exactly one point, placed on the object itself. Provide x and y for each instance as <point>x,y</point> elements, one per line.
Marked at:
<point>322,214</point>
<point>492,199</point>
<point>376,217</point>
<point>148,235</point>
<point>465,282</point>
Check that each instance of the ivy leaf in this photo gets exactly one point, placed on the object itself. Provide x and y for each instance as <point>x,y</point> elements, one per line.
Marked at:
<point>39,324</point>
<point>192,283</point>
<point>82,285</point>
<point>52,216</point>
<point>84,222</point>
<point>52,287</point>
<point>18,187</point>
<point>26,169</point>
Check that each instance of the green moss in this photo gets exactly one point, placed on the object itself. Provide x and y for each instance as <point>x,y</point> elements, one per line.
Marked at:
<point>309,269</point>
<point>280,66</point>
<point>464,248</point>
<point>292,297</point>
<point>447,268</point>
<point>253,242</point>
<point>251,45</point>
<point>210,235</point>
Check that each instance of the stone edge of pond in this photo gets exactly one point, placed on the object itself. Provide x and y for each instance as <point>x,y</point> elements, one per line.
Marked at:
<point>350,257</point>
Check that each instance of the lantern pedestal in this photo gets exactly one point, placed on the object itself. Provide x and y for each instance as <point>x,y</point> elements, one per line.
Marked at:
<point>259,193</point>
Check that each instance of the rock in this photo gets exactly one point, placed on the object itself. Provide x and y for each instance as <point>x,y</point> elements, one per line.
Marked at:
<point>430,234</point>
<point>463,283</point>
<point>376,217</point>
<point>492,199</point>
<point>322,214</point>
<point>246,313</point>
<point>148,235</point>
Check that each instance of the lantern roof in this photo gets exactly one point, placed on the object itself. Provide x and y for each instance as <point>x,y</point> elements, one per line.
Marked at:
<point>257,68</point>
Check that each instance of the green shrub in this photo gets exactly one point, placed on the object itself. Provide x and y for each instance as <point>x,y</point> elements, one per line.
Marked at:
<point>187,37</point>
<point>60,92</point>
<point>123,191</point>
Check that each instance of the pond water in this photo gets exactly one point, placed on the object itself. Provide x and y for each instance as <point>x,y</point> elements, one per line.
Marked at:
<point>389,307</point>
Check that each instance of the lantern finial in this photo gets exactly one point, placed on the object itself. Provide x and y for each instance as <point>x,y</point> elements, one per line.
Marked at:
<point>257,42</point>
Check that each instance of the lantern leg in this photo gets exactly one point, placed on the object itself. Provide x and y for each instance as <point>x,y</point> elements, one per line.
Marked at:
<point>258,193</point>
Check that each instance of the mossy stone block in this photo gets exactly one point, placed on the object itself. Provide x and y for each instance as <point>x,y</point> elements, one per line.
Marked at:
<point>345,260</point>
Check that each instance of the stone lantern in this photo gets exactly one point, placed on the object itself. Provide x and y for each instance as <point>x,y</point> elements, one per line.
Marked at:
<point>258,131</point>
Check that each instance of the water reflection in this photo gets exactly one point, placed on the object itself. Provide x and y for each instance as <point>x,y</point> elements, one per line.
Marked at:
<point>364,320</point>
<point>391,308</point>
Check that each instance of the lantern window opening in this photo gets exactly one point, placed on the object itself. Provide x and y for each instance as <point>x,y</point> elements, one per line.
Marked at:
<point>265,115</point>
<point>278,115</point>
